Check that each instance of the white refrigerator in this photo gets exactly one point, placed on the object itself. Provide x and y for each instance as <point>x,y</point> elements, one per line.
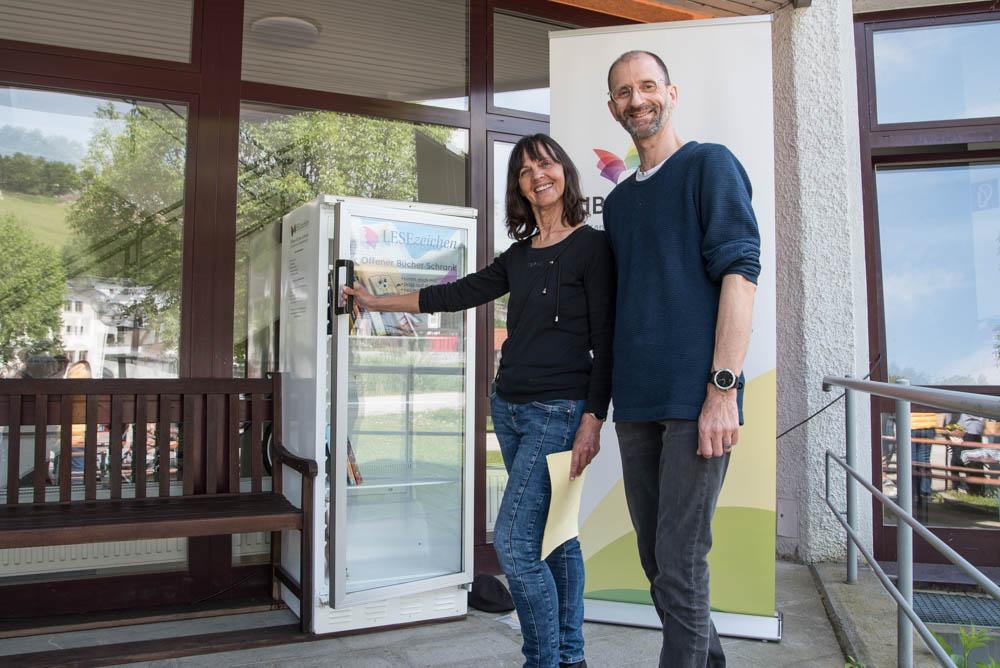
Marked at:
<point>384,403</point>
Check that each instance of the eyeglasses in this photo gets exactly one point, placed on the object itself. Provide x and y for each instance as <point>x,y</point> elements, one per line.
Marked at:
<point>624,93</point>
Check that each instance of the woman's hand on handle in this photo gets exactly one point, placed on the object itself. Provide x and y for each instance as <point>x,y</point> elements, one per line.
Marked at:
<point>586,445</point>
<point>407,303</point>
<point>362,298</point>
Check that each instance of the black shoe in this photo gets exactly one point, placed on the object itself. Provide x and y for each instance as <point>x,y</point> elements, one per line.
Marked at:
<point>582,663</point>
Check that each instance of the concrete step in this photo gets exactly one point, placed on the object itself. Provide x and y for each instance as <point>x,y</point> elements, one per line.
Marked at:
<point>863,616</point>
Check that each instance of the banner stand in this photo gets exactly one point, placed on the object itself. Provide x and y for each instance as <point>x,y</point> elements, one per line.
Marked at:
<point>723,71</point>
<point>644,616</point>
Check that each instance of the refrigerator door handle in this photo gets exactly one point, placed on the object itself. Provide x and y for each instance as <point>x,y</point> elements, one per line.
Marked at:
<point>348,306</point>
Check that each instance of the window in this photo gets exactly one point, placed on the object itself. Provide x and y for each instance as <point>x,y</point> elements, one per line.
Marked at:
<point>289,157</point>
<point>937,72</point>
<point>521,62</point>
<point>408,51</point>
<point>940,240</point>
<point>932,180</point>
<point>83,178</point>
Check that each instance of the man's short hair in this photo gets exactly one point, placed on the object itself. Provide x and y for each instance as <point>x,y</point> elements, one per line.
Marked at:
<point>629,55</point>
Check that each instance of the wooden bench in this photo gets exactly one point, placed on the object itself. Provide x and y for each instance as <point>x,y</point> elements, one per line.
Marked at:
<point>174,450</point>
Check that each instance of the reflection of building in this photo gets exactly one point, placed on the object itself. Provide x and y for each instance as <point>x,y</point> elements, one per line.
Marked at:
<point>83,333</point>
<point>103,323</point>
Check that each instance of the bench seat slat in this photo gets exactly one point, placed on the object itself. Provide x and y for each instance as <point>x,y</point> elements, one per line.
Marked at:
<point>139,445</point>
<point>256,441</point>
<point>131,519</point>
<point>66,448</point>
<point>40,473</point>
<point>14,450</point>
<point>90,450</point>
<point>188,451</point>
<point>233,442</point>
<point>115,432</point>
<point>162,446</point>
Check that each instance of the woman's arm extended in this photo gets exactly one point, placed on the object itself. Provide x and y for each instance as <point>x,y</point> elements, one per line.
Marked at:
<point>408,303</point>
<point>479,288</point>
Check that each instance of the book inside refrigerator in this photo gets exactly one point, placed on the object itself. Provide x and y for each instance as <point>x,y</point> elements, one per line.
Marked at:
<point>384,403</point>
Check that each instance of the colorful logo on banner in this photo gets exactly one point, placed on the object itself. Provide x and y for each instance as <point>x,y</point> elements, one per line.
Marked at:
<point>612,167</point>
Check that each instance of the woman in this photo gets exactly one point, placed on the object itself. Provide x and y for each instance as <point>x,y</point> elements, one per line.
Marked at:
<point>553,383</point>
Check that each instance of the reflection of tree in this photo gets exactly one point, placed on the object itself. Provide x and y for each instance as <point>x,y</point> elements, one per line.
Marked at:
<point>284,161</point>
<point>129,217</point>
<point>128,220</point>
<point>32,291</point>
<point>34,175</point>
<point>287,160</point>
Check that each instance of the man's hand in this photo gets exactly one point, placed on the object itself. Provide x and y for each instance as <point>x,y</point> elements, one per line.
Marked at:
<point>586,445</point>
<point>719,423</point>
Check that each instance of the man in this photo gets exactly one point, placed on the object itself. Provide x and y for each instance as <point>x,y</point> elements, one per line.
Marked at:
<point>973,426</point>
<point>688,255</point>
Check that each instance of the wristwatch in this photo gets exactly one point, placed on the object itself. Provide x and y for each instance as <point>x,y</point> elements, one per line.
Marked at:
<point>600,418</point>
<point>725,379</point>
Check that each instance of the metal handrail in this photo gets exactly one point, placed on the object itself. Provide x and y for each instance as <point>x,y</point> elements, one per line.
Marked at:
<point>983,405</point>
<point>903,394</point>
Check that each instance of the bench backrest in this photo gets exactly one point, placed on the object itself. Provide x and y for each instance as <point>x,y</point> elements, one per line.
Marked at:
<point>204,433</point>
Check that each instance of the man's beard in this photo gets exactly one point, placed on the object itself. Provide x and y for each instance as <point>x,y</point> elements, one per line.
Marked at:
<point>654,126</point>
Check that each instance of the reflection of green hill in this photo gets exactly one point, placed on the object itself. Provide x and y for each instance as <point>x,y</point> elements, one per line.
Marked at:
<point>741,563</point>
<point>45,217</point>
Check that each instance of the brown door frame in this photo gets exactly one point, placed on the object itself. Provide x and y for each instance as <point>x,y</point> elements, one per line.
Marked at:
<point>912,143</point>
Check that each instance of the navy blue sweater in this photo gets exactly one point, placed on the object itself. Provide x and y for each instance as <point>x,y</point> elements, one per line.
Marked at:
<point>674,236</point>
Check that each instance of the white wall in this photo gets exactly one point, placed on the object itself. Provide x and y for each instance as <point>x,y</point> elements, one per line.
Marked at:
<point>822,316</point>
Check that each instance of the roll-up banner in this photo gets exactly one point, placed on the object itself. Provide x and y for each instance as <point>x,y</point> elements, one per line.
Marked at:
<point>722,69</point>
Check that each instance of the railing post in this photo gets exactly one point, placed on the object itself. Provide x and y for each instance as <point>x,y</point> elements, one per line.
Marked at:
<point>904,534</point>
<point>852,488</point>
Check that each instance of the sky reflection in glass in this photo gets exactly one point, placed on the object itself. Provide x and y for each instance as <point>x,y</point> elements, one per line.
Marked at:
<point>940,241</point>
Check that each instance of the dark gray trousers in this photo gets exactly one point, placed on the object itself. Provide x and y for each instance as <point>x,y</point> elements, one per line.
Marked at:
<point>671,493</point>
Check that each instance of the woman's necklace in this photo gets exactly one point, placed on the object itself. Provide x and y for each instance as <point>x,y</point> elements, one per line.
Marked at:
<point>552,238</point>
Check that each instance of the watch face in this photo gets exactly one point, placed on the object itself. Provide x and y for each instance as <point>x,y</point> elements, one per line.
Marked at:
<point>724,379</point>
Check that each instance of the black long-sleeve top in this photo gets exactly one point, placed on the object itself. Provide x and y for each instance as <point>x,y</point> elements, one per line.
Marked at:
<point>559,317</point>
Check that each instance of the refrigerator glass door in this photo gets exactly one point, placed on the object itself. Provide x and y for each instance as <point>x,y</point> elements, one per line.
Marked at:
<point>402,418</point>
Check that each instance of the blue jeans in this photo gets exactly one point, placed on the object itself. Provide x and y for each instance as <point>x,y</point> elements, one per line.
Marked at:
<point>921,452</point>
<point>548,594</point>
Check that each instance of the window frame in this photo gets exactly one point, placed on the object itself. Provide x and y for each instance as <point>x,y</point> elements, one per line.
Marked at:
<point>947,128</point>
<point>925,143</point>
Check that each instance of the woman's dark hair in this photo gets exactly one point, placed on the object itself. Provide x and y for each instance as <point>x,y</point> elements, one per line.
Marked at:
<point>521,222</point>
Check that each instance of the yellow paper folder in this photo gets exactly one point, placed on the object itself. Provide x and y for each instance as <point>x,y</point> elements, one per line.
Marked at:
<point>564,507</point>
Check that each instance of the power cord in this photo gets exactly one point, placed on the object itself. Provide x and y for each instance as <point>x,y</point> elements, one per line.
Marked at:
<point>868,375</point>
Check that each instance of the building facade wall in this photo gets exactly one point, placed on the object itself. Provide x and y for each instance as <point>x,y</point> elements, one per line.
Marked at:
<point>822,324</point>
